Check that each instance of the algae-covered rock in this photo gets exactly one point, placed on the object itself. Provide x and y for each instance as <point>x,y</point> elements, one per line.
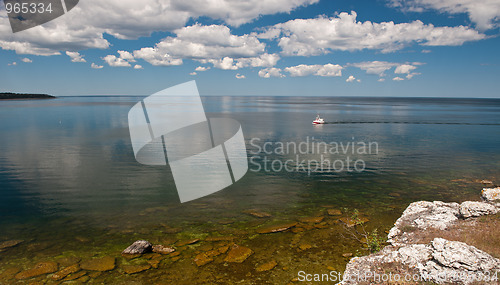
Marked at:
<point>238,254</point>
<point>276,228</point>
<point>106,263</point>
<point>39,269</point>
<point>266,266</point>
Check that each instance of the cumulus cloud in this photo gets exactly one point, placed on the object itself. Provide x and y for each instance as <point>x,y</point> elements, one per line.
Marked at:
<point>202,68</point>
<point>240,76</point>
<point>193,73</point>
<point>380,67</point>
<point>397,78</point>
<point>114,61</point>
<point>96,66</point>
<point>130,19</point>
<point>322,35</point>
<point>318,70</point>
<point>26,60</point>
<point>270,72</point>
<point>484,13</point>
<point>214,44</point>
<point>12,64</point>
<point>350,78</point>
<point>374,67</point>
<point>75,56</point>
<point>404,68</point>
<point>138,66</point>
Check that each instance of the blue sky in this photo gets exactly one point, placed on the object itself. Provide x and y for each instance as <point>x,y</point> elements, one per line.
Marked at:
<point>406,48</point>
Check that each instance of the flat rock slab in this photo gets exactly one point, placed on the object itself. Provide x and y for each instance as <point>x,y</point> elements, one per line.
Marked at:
<point>238,254</point>
<point>163,249</point>
<point>266,266</point>
<point>106,263</point>
<point>132,269</point>
<point>65,272</point>
<point>432,261</point>
<point>334,212</point>
<point>276,228</point>
<point>186,242</point>
<point>39,269</point>
<point>203,258</point>
<point>311,220</point>
<point>10,243</point>
<point>470,209</point>
<point>138,247</point>
<point>257,214</point>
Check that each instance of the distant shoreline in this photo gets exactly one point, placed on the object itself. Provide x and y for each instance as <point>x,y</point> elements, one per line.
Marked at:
<point>18,96</point>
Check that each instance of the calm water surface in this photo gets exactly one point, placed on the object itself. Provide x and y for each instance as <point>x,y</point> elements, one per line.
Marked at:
<point>70,186</point>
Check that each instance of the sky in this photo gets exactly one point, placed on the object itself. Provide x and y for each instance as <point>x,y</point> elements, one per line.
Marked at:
<point>401,48</point>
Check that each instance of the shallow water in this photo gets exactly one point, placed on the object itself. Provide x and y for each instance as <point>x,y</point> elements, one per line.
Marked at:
<point>70,185</point>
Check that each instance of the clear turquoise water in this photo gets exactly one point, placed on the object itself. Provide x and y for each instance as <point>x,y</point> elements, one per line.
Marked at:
<point>67,168</point>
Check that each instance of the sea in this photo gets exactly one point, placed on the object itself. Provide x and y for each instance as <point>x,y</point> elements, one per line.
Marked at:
<point>70,186</point>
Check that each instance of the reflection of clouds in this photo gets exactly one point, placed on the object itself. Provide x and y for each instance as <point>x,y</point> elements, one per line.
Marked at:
<point>78,163</point>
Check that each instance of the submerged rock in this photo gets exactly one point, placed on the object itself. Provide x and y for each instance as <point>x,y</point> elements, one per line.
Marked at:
<point>10,243</point>
<point>475,209</point>
<point>186,242</point>
<point>238,254</point>
<point>266,266</point>
<point>106,263</point>
<point>257,214</point>
<point>158,248</point>
<point>138,247</point>
<point>132,269</point>
<point>65,272</point>
<point>276,228</point>
<point>39,269</point>
<point>202,259</point>
<point>311,220</point>
<point>334,212</point>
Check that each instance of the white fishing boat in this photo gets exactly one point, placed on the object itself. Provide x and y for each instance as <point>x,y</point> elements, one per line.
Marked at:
<point>318,121</point>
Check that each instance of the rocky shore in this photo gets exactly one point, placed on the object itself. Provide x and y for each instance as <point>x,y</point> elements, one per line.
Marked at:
<point>440,260</point>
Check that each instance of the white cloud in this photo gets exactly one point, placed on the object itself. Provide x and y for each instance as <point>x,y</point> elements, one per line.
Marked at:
<point>236,13</point>
<point>202,68</point>
<point>350,78</point>
<point>381,80</point>
<point>193,73</point>
<point>484,13</point>
<point>318,70</point>
<point>26,60</point>
<point>398,78</point>
<point>240,76</point>
<point>214,42</point>
<point>138,66</point>
<point>126,56</point>
<point>96,66</point>
<point>404,68</point>
<point>270,72</point>
<point>75,56</point>
<point>12,64</point>
<point>114,61</point>
<point>87,23</point>
<point>380,67</point>
<point>322,35</point>
<point>374,67</point>
<point>426,51</point>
